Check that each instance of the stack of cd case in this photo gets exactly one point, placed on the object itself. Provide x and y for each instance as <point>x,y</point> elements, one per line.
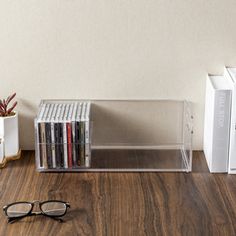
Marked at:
<point>62,131</point>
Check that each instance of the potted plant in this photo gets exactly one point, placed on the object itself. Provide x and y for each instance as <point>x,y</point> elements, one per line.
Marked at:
<point>9,135</point>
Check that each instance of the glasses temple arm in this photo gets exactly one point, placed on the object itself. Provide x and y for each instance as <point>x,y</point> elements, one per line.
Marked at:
<point>13,219</point>
<point>54,218</point>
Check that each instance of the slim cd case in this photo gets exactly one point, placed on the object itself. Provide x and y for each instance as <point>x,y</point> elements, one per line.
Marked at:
<point>114,136</point>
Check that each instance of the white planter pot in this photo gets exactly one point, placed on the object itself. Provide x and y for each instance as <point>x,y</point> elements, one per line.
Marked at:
<point>9,135</point>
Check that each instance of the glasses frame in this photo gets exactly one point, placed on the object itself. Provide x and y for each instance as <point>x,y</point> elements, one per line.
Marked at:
<point>31,213</point>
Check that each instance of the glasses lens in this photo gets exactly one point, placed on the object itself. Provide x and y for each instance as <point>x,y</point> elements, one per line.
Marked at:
<point>53,208</point>
<point>18,209</point>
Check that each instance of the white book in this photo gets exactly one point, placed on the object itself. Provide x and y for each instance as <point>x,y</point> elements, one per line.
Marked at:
<point>230,75</point>
<point>217,123</point>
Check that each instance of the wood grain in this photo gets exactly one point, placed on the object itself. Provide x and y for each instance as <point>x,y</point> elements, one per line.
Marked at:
<point>197,203</point>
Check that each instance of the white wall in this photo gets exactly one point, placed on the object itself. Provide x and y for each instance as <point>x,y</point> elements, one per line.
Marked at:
<point>113,49</point>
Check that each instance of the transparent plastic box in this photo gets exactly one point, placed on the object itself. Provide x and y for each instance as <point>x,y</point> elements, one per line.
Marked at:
<point>132,136</point>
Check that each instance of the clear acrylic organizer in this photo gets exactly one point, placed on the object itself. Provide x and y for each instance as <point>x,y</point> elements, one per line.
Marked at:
<point>129,136</point>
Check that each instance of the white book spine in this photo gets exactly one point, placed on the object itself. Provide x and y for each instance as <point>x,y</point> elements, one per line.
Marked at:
<point>231,77</point>
<point>221,131</point>
<point>216,130</point>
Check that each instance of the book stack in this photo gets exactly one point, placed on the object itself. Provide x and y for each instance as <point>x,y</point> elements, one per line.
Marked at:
<point>220,122</point>
<point>63,135</point>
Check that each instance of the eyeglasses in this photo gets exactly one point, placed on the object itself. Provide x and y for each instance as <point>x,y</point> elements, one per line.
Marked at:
<point>52,209</point>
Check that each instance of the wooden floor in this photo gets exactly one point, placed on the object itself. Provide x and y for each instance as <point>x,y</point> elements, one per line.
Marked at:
<point>196,203</point>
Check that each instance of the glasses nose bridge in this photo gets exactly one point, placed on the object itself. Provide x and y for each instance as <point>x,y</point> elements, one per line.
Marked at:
<point>36,203</point>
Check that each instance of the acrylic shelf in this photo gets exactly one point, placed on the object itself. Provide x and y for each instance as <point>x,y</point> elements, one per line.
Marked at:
<point>136,136</point>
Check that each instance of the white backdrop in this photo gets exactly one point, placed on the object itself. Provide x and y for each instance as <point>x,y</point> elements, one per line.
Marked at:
<point>113,49</point>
